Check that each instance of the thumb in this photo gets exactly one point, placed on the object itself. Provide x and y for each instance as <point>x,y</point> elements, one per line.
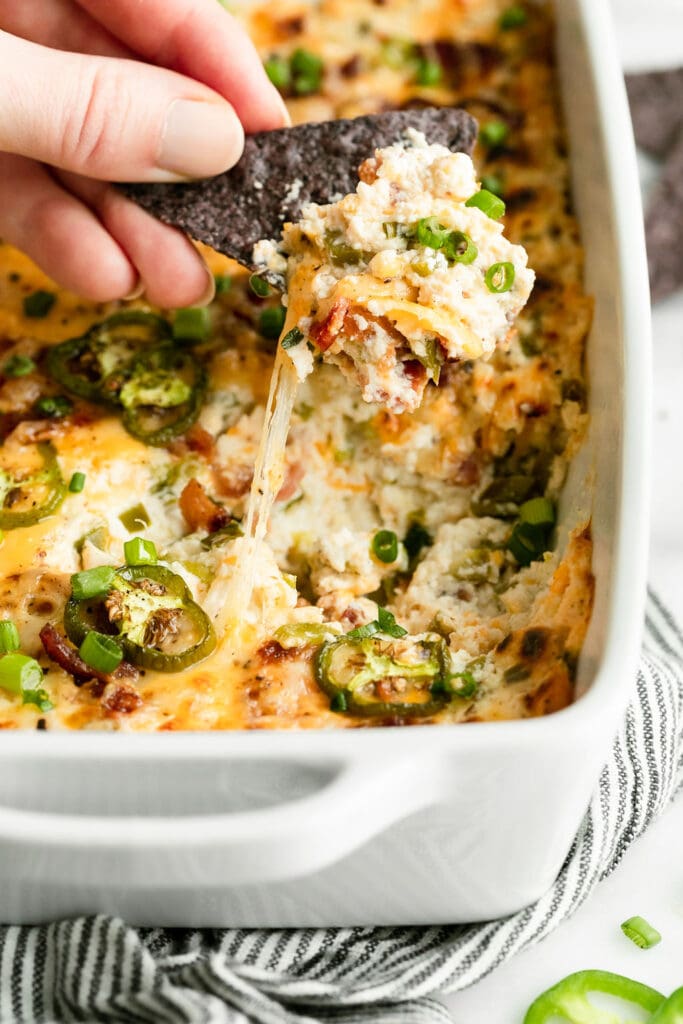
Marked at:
<point>117,120</point>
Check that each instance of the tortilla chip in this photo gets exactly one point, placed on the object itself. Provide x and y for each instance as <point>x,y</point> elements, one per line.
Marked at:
<point>664,227</point>
<point>280,171</point>
<point>656,100</point>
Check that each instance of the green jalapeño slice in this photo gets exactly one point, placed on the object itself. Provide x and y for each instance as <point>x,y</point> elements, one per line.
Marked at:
<point>150,612</point>
<point>88,366</point>
<point>31,489</point>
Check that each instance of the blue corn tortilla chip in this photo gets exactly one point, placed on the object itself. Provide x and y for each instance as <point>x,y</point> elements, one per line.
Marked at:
<point>656,100</point>
<point>664,227</point>
<point>280,171</point>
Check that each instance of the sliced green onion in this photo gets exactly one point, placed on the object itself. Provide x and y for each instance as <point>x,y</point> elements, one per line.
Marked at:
<point>528,542</point>
<point>39,304</point>
<point>39,697</point>
<point>494,133</point>
<point>538,511</point>
<point>100,651</point>
<point>388,624</point>
<point>223,283</point>
<point>500,277</point>
<point>279,72</point>
<point>18,672</point>
<point>92,582</point>
<point>53,406</point>
<point>271,321</point>
<point>385,546</point>
<point>192,324</point>
<point>18,366</point>
<point>361,632</point>
<point>640,931</point>
<point>259,286</point>
<point>9,636</point>
<point>135,518</point>
<point>292,338</point>
<point>77,483</point>
<point>430,233</point>
<point>484,200</point>
<point>307,71</point>
<point>513,17</point>
<point>459,248</point>
<point>494,184</point>
<point>428,71</point>
<point>139,551</point>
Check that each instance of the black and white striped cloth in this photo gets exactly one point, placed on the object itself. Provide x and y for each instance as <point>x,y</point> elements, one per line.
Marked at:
<point>98,969</point>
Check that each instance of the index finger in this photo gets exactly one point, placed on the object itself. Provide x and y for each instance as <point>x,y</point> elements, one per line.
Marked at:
<point>198,38</point>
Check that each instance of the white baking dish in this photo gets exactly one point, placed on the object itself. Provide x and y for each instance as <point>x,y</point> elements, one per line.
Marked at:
<point>426,824</point>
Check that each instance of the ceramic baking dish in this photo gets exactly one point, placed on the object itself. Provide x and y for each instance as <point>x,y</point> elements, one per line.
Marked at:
<point>381,826</point>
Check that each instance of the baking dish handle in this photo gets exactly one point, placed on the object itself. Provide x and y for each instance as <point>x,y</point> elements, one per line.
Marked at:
<point>284,841</point>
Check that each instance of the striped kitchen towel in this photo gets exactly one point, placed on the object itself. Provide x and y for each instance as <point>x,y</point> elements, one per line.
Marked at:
<point>98,969</point>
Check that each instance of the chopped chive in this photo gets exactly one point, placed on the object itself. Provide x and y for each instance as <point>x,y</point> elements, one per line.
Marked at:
<point>279,72</point>
<point>292,338</point>
<point>77,483</point>
<point>385,546</point>
<point>9,636</point>
<point>468,686</point>
<point>484,200</point>
<point>223,283</point>
<point>271,321</point>
<point>640,931</point>
<point>494,133</point>
<point>192,324</point>
<point>139,551</point>
<point>428,71</point>
<point>55,407</point>
<point>513,17</point>
<point>18,672</point>
<point>39,304</point>
<point>459,248</point>
<point>135,518</point>
<point>500,278</point>
<point>259,285</point>
<point>339,702</point>
<point>18,366</point>
<point>100,651</point>
<point>92,582</point>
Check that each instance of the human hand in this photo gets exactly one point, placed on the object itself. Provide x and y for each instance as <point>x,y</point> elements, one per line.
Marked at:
<point>93,91</point>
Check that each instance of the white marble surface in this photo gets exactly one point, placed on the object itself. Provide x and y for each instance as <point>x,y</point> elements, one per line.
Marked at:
<point>650,879</point>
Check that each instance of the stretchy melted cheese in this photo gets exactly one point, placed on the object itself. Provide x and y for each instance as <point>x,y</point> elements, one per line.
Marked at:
<point>447,479</point>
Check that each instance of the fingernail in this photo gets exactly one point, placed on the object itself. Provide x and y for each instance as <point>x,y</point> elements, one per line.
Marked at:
<point>200,139</point>
<point>210,293</point>
<point>136,292</point>
<point>286,119</point>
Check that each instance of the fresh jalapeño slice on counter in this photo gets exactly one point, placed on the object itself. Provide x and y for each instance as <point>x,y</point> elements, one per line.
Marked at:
<point>571,999</point>
<point>146,608</point>
<point>31,484</point>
